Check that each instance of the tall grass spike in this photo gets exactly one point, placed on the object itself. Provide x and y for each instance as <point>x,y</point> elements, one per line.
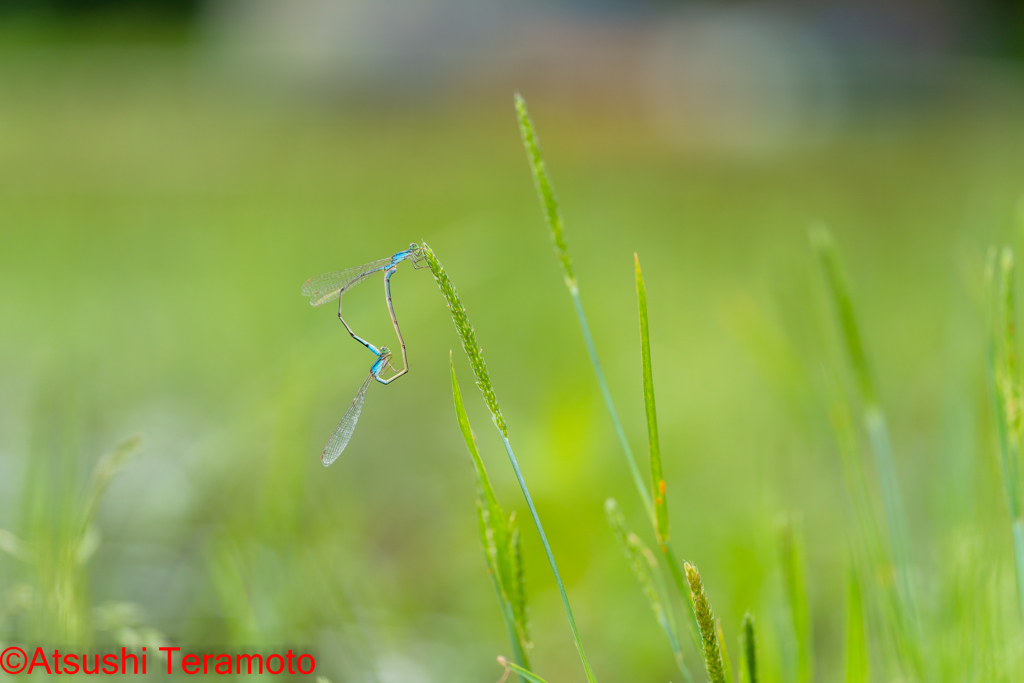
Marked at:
<point>552,211</point>
<point>468,337</point>
<point>472,349</point>
<point>706,623</point>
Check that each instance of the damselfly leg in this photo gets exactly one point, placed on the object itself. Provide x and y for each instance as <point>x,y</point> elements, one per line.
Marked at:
<point>398,331</point>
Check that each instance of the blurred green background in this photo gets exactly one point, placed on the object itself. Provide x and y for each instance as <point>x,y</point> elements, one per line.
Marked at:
<point>170,179</point>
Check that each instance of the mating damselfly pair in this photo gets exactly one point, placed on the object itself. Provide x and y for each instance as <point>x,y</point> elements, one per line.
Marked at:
<point>330,286</point>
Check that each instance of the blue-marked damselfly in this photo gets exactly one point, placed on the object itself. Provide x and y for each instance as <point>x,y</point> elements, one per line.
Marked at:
<point>325,288</point>
<point>329,286</point>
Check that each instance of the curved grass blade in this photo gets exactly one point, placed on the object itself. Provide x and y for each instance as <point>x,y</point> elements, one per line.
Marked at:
<point>645,568</point>
<point>523,673</point>
<point>706,623</point>
<point>330,286</point>
<point>343,432</point>
<point>748,650</point>
<point>500,542</point>
<point>476,361</point>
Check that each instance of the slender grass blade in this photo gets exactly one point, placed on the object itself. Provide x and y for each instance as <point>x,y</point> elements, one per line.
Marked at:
<point>905,620</point>
<point>500,541</point>
<point>520,606</point>
<point>748,650</point>
<point>657,478</point>
<point>726,663</point>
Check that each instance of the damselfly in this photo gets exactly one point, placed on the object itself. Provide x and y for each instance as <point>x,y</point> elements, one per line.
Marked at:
<point>325,288</point>
<point>343,432</point>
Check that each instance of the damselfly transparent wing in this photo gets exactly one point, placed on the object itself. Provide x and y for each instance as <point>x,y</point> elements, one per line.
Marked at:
<point>343,432</point>
<point>330,286</point>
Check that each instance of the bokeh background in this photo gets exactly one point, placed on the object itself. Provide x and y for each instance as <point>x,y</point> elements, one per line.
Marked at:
<point>171,172</point>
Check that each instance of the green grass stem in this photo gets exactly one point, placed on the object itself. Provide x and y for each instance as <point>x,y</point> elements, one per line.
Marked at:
<point>476,361</point>
<point>879,442</point>
<point>874,417</point>
<point>553,216</point>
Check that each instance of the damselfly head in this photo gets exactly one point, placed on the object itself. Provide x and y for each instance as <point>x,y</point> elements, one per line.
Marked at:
<point>385,353</point>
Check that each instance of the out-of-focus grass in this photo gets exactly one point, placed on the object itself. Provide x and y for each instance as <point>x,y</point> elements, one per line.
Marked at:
<point>157,221</point>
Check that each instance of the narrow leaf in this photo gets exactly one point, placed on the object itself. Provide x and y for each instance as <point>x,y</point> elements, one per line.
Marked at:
<point>657,478</point>
<point>497,538</point>
<point>748,650</point>
<point>726,664</point>
<point>483,480</point>
<point>835,278</point>
<point>520,608</point>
